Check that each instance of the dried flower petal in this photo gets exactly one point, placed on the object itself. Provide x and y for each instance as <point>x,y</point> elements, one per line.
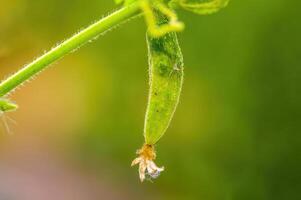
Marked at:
<point>146,163</point>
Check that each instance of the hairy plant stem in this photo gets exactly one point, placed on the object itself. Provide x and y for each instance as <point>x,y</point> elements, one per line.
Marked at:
<point>68,46</point>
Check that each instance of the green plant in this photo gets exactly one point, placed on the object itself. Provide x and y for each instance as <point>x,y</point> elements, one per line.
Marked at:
<point>166,63</point>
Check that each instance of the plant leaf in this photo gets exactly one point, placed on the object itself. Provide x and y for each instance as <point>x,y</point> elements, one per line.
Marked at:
<point>125,2</point>
<point>201,7</point>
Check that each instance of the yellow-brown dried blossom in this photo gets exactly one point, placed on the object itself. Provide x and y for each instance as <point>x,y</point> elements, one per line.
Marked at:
<point>146,164</point>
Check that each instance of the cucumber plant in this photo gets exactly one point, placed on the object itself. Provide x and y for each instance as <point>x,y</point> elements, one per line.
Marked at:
<point>165,64</point>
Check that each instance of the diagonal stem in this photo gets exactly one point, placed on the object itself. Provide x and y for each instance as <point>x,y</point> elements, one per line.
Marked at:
<point>68,46</point>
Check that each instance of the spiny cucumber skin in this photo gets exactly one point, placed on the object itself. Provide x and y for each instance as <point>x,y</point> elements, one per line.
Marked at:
<point>165,79</point>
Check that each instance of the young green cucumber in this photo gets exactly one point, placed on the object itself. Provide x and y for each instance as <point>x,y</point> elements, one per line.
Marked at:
<point>166,79</point>
<point>7,106</point>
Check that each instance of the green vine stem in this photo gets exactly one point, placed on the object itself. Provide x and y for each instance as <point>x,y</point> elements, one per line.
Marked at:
<point>68,46</point>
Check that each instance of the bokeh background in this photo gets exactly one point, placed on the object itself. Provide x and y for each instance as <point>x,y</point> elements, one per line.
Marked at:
<point>235,135</point>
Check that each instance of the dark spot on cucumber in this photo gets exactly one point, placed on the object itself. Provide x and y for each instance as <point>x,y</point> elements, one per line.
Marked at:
<point>163,64</point>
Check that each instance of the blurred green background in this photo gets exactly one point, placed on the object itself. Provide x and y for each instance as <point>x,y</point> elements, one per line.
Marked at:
<point>235,135</point>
